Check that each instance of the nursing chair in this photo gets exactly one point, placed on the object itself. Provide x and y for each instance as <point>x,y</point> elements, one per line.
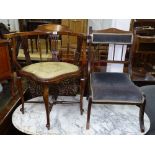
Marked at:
<point>50,71</point>
<point>107,85</point>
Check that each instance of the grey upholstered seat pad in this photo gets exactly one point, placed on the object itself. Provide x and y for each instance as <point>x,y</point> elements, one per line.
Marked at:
<point>114,87</point>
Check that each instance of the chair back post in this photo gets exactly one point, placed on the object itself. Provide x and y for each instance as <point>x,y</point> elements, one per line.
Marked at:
<point>14,44</point>
<point>39,47</point>
<point>78,51</point>
<point>24,45</point>
<point>68,44</point>
<point>89,42</point>
<point>131,56</point>
<point>53,36</point>
<point>84,57</point>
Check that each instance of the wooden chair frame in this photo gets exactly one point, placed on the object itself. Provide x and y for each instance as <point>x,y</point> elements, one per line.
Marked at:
<point>17,41</point>
<point>100,40</point>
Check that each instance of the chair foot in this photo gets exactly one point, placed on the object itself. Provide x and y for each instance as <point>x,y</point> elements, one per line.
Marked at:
<point>88,112</point>
<point>141,115</point>
<point>48,126</point>
<point>141,121</point>
<point>82,87</point>
<point>142,128</point>
<point>82,110</point>
<point>22,110</point>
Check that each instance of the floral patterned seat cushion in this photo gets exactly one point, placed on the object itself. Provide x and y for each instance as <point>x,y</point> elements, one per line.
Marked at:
<point>67,87</point>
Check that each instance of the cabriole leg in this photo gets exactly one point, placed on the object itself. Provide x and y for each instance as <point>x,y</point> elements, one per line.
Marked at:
<point>46,98</point>
<point>88,112</point>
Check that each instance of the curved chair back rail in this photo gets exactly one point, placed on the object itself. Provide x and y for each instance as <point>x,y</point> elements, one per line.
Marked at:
<point>52,27</point>
<point>58,49</point>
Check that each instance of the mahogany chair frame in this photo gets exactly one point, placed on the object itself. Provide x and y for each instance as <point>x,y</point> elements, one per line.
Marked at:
<point>46,82</point>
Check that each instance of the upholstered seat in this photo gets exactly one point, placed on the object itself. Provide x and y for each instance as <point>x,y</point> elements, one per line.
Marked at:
<point>48,70</point>
<point>114,87</point>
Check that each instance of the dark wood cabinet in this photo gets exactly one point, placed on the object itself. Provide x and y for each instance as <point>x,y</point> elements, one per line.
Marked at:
<point>5,66</point>
<point>31,24</point>
<point>144,41</point>
<point>76,25</point>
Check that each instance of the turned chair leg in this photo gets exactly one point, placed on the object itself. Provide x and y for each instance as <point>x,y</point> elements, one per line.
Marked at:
<point>88,112</point>
<point>46,98</point>
<point>20,90</point>
<point>82,86</point>
<point>141,115</point>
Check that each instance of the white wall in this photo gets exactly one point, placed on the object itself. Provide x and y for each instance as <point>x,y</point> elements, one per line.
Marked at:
<point>123,24</point>
<point>14,26</point>
<point>98,24</point>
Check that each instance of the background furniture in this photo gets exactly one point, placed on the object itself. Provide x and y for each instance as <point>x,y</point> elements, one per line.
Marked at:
<point>3,30</point>
<point>76,25</point>
<point>112,87</point>
<point>31,24</point>
<point>6,72</point>
<point>144,48</point>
